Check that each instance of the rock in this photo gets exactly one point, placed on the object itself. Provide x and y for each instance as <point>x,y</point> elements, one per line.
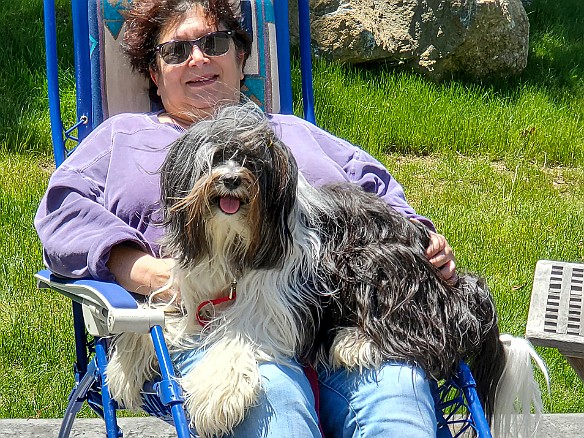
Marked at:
<point>440,38</point>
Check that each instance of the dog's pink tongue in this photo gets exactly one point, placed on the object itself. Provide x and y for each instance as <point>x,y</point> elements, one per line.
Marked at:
<point>229,204</point>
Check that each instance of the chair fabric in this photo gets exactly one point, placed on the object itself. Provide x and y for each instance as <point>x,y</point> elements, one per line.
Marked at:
<point>116,89</point>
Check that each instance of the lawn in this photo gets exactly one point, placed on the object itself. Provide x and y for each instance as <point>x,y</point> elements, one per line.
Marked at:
<point>497,167</point>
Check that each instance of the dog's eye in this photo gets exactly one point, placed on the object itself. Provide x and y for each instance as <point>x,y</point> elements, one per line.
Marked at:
<point>226,155</point>
<point>217,159</point>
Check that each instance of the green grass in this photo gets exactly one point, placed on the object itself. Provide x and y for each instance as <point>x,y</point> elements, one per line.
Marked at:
<point>413,115</point>
<point>35,341</point>
<point>36,345</point>
<point>497,166</point>
<point>501,219</point>
<point>24,118</point>
<point>538,116</point>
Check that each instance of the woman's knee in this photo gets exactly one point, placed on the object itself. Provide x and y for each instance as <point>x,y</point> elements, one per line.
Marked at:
<point>395,400</point>
<point>286,406</point>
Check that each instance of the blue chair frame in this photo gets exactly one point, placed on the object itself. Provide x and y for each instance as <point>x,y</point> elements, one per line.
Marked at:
<point>457,404</point>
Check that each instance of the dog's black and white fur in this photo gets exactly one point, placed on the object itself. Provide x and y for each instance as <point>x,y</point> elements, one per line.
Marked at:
<point>231,212</point>
<point>331,275</point>
<point>386,302</point>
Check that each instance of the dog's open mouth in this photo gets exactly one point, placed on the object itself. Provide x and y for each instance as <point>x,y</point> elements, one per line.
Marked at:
<point>229,204</point>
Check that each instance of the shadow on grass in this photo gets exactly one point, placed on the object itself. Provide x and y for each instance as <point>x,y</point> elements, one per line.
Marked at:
<point>556,55</point>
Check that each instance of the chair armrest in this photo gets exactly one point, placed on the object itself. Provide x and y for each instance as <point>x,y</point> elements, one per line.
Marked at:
<point>108,309</point>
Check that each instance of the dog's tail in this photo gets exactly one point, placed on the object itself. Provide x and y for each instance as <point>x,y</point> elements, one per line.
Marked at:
<point>518,391</point>
<point>507,386</point>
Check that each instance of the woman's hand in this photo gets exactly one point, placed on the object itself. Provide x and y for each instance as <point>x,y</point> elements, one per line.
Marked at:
<point>441,255</point>
<point>139,272</point>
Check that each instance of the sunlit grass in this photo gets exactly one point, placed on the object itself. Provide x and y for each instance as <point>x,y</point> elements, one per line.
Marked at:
<point>36,348</point>
<point>502,218</point>
<point>387,111</point>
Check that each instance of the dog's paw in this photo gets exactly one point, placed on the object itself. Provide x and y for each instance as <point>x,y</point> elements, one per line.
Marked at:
<point>352,349</point>
<point>221,388</point>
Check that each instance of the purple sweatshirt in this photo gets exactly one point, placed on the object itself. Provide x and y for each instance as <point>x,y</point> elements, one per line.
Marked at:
<point>107,192</point>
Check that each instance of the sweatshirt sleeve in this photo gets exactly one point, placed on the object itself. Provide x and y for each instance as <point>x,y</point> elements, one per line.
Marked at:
<point>324,158</point>
<point>76,230</point>
<point>370,174</point>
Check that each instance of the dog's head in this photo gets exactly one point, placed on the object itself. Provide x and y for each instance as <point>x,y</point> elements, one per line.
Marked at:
<point>228,188</point>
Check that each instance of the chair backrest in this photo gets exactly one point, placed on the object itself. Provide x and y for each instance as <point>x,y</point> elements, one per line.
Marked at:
<point>105,84</point>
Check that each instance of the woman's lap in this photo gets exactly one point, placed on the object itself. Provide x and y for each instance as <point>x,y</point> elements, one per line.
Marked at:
<point>393,401</point>
<point>286,407</point>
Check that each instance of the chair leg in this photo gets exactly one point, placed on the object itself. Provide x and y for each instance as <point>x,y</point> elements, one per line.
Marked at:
<point>442,429</point>
<point>77,398</point>
<point>468,385</point>
<point>575,362</point>
<point>458,408</point>
<point>168,388</point>
<point>109,405</point>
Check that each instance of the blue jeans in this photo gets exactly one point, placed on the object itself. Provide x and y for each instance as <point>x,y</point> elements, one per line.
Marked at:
<point>393,401</point>
<point>286,407</point>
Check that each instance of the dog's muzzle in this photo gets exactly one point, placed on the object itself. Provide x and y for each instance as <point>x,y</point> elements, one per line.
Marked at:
<point>230,203</point>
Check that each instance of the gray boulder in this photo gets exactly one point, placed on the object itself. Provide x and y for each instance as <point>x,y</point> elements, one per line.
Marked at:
<point>478,38</point>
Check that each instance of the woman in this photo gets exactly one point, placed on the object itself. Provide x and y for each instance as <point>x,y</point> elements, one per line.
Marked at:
<point>99,215</point>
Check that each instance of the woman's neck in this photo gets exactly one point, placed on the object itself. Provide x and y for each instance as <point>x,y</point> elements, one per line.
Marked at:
<point>182,120</point>
<point>172,119</point>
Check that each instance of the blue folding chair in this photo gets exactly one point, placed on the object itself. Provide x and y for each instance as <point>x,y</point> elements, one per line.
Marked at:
<point>103,309</point>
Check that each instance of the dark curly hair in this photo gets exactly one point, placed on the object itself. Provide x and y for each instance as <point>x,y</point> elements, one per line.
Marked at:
<point>146,19</point>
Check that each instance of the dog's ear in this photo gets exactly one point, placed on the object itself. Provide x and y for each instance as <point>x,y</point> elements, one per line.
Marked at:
<point>278,191</point>
<point>187,159</point>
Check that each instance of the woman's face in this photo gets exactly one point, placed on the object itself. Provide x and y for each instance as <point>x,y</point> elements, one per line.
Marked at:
<point>192,90</point>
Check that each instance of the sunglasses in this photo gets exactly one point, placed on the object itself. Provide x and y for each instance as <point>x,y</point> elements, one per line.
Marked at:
<point>212,44</point>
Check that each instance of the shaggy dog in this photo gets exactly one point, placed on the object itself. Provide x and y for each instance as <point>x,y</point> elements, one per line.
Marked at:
<point>270,269</point>
<point>236,226</point>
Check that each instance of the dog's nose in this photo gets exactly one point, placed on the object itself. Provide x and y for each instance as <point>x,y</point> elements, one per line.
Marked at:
<point>231,182</point>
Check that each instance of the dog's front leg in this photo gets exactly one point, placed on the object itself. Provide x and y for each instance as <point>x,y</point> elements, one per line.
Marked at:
<point>222,387</point>
<point>132,362</point>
